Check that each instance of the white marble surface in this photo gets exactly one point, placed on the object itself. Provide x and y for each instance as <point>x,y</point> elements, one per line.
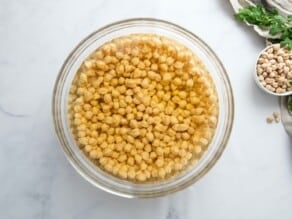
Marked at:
<point>253,178</point>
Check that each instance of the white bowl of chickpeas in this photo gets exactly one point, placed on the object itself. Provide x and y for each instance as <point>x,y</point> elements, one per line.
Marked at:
<point>142,108</point>
<point>273,72</point>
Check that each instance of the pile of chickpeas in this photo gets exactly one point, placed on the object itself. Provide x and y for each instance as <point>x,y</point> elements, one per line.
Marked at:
<point>274,69</point>
<point>143,107</point>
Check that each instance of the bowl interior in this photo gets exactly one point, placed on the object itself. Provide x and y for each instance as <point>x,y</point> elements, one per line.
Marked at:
<point>113,184</point>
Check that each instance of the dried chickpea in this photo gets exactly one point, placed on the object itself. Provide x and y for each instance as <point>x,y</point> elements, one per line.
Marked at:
<point>273,70</point>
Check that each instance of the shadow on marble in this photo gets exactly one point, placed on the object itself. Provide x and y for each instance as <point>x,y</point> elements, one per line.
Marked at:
<point>290,150</point>
<point>259,97</point>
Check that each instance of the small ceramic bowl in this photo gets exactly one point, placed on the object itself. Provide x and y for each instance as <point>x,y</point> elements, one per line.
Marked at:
<point>260,85</point>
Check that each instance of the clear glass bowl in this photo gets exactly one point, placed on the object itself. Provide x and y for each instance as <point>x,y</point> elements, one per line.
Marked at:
<point>100,178</point>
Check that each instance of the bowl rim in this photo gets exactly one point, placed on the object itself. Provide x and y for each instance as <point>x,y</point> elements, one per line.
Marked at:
<point>72,159</point>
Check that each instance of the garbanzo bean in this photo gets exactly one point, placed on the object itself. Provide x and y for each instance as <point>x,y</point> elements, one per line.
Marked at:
<point>274,69</point>
<point>143,107</point>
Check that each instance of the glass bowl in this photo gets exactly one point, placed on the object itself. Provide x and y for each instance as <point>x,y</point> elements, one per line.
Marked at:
<point>97,176</point>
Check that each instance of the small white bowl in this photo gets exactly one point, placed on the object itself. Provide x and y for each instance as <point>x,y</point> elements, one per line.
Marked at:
<point>257,78</point>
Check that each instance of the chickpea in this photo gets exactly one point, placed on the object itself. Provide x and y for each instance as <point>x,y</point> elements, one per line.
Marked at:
<point>273,68</point>
<point>134,109</point>
<point>180,127</point>
<point>149,136</point>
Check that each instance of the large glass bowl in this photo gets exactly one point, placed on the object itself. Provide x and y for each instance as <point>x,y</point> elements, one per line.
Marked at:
<point>97,176</point>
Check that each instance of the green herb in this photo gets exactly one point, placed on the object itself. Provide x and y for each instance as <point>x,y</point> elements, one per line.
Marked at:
<point>286,42</point>
<point>290,105</point>
<point>270,20</point>
<point>290,82</point>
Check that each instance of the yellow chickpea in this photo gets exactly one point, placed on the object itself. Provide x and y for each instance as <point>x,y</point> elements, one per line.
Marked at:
<point>138,158</point>
<point>140,176</point>
<point>144,107</point>
<point>132,174</point>
<point>161,173</point>
<point>131,161</point>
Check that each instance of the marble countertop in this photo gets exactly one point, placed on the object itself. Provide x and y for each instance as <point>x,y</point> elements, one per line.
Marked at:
<point>253,178</point>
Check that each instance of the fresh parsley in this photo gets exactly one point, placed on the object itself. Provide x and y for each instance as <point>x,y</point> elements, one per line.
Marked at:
<point>270,20</point>
<point>290,105</point>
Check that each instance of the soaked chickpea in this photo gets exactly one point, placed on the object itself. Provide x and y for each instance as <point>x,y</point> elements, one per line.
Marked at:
<point>143,107</point>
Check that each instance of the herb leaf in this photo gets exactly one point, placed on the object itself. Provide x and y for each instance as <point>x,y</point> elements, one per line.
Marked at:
<point>272,21</point>
<point>290,105</point>
<point>286,42</point>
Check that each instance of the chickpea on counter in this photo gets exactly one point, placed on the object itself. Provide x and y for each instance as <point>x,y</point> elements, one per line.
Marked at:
<point>143,107</point>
